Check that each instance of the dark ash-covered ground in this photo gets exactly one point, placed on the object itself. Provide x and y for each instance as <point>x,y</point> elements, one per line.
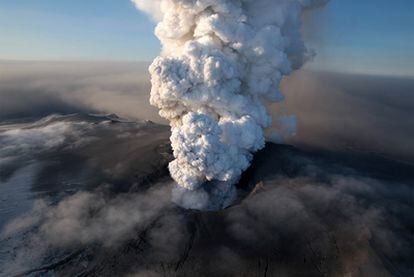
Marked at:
<point>96,202</point>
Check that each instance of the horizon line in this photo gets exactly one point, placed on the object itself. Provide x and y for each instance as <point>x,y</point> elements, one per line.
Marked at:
<point>308,67</point>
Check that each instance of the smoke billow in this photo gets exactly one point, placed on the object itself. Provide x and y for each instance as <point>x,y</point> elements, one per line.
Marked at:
<point>222,62</point>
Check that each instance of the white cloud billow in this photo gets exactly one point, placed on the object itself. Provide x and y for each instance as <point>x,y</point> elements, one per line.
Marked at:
<point>221,62</point>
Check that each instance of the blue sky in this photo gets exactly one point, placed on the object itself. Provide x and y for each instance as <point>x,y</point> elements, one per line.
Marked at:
<point>367,36</point>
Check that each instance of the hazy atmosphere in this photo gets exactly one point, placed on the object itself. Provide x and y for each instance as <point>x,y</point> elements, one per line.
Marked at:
<point>334,110</point>
<point>267,138</point>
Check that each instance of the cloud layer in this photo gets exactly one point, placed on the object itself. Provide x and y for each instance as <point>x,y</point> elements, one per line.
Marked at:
<point>41,88</point>
<point>333,110</point>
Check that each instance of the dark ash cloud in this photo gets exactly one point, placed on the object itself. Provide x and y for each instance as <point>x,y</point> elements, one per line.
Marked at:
<point>353,112</point>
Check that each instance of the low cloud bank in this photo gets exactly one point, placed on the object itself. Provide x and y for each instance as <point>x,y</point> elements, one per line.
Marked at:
<point>36,89</point>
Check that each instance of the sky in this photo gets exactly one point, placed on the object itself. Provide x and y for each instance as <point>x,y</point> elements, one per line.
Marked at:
<point>370,36</point>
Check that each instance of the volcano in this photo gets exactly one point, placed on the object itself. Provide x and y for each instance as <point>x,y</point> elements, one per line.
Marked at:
<point>100,205</point>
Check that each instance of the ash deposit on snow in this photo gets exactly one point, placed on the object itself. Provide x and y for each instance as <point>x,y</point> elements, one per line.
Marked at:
<point>90,195</point>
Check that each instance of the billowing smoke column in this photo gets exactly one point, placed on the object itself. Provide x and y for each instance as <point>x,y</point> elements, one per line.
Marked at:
<point>221,63</point>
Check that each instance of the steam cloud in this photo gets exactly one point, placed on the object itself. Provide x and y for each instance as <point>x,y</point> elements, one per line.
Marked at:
<point>222,62</point>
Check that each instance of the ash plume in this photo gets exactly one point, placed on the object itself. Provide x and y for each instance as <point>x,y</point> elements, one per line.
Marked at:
<point>222,62</point>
